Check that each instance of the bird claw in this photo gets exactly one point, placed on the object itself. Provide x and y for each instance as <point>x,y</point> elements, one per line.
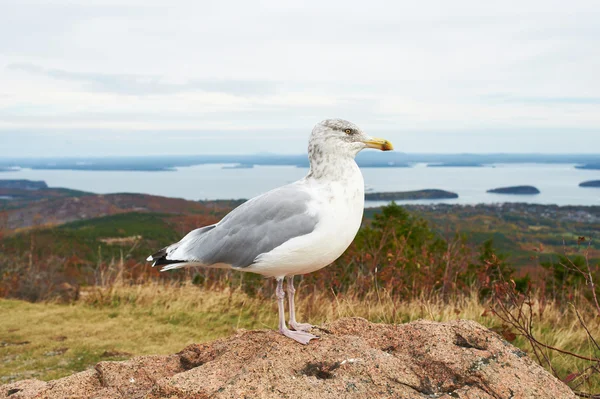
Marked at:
<point>300,326</point>
<point>298,336</point>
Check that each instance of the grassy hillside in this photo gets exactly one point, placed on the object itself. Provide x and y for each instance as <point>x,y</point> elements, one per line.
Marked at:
<point>79,251</point>
<point>518,230</point>
<point>84,239</point>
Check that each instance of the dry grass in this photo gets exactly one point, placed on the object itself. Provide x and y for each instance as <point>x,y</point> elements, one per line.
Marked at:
<point>162,319</point>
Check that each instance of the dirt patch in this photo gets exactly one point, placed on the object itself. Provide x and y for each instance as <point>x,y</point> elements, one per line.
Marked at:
<point>121,240</point>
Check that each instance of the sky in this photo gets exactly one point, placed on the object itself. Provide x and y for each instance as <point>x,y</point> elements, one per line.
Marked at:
<point>141,77</point>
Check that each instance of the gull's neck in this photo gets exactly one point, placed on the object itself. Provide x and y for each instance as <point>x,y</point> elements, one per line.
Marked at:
<point>327,166</point>
<point>340,181</point>
<point>334,170</point>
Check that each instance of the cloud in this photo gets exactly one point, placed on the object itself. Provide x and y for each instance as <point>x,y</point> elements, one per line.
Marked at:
<point>495,69</point>
<point>148,84</point>
<point>503,98</point>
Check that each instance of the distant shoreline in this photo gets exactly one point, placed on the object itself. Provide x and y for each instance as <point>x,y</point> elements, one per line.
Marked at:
<point>238,166</point>
<point>366,159</point>
<point>457,165</point>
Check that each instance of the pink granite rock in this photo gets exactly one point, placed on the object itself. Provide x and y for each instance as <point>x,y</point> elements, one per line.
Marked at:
<point>353,358</point>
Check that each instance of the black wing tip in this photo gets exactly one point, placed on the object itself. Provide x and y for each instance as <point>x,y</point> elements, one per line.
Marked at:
<point>165,262</point>
<point>160,259</point>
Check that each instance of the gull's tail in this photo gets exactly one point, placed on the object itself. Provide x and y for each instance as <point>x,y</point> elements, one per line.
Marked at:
<point>172,256</point>
<point>160,259</point>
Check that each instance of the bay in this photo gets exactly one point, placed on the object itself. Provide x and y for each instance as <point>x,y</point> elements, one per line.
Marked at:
<point>558,183</point>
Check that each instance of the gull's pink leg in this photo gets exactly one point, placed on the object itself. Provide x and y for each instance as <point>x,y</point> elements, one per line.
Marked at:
<point>300,336</point>
<point>291,293</point>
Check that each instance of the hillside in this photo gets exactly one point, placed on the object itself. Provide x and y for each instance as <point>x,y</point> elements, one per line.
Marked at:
<point>63,210</point>
<point>79,226</point>
<point>523,232</point>
<point>13,198</point>
<point>25,204</point>
<point>23,184</point>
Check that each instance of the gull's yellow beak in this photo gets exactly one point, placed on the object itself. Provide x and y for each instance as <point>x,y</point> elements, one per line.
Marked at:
<point>380,144</point>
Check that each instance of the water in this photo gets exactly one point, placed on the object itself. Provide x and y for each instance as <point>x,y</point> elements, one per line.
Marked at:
<point>558,183</point>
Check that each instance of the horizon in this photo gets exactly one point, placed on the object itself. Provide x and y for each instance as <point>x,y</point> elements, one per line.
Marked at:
<point>98,143</point>
<point>289,155</point>
<point>84,146</point>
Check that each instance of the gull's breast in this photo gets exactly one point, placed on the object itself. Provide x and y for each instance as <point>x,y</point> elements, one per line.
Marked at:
<point>339,205</point>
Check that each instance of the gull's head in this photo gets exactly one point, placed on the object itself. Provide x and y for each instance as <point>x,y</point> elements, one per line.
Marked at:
<point>338,136</point>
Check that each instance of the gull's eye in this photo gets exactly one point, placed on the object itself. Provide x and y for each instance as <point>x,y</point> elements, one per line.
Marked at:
<point>348,131</point>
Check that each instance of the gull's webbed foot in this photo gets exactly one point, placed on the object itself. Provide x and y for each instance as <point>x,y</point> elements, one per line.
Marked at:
<point>298,336</point>
<point>301,326</point>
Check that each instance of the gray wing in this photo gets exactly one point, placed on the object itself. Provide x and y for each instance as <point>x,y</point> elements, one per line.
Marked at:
<point>255,227</point>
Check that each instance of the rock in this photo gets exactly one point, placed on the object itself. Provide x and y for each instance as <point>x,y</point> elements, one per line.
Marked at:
<point>22,389</point>
<point>353,358</point>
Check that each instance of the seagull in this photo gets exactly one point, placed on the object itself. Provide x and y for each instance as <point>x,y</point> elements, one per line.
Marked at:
<point>292,230</point>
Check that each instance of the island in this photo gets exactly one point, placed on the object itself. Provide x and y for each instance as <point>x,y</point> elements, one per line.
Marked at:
<point>239,166</point>
<point>428,194</point>
<point>515,190</point>
<point>590,183</point>
<point>384,165</point>
<point>107,167</point>
<point>589,166</point>
<point>456,165</point>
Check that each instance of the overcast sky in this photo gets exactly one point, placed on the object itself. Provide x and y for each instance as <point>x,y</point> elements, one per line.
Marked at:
<point>135,77</point>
